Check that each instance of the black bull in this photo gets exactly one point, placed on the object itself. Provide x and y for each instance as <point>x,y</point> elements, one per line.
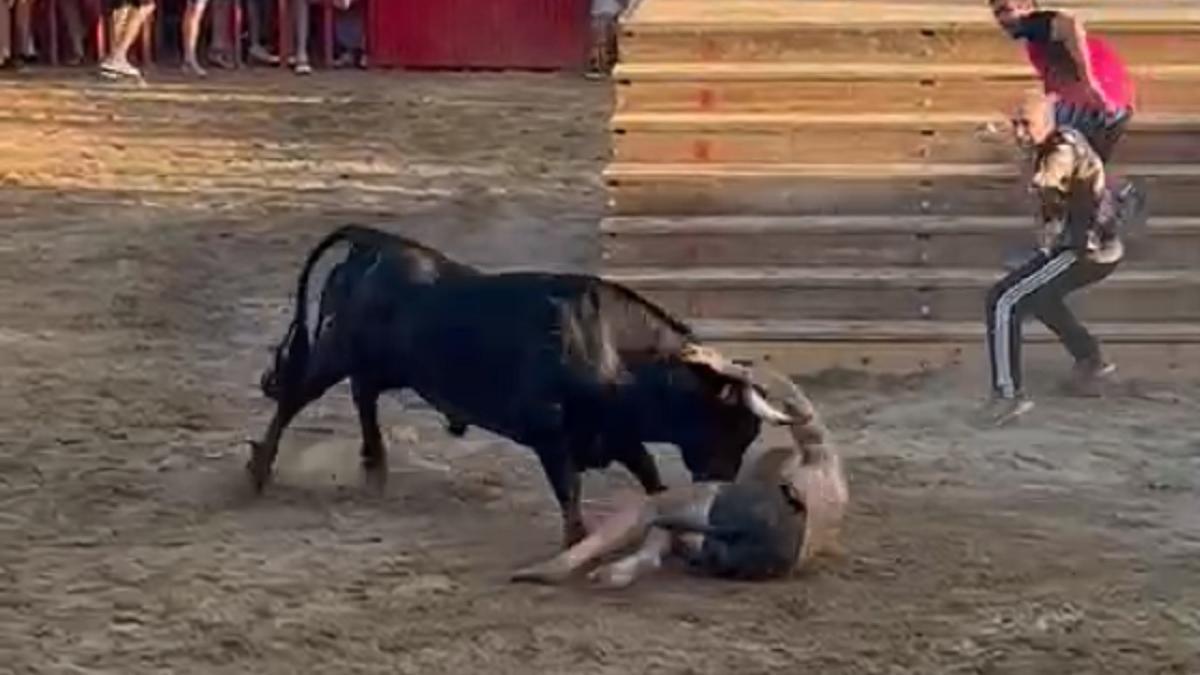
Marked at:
<point>581,370</point>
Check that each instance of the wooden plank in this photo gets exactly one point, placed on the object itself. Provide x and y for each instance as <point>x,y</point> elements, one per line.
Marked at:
<point>808,88</point>
<point>826,12</point>
<point>773,330</point>
<point>813,138</point>
<point>821,144</point>
<point>1153,360</point>
<point>928,225</point>
<point>875,189</point>
<point>748,242</point>
<point>896,293</point>
<point>931,43</point>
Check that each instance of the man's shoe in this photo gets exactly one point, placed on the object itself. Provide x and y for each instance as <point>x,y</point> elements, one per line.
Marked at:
<point>1088,377</point>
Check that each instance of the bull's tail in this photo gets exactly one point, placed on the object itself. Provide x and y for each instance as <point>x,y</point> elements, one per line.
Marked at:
<point>291,354</point>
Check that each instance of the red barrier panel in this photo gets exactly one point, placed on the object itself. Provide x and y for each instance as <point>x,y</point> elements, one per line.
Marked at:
<point>523,34</point>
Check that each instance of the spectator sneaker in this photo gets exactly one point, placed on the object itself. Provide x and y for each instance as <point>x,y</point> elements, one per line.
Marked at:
<point>119,69</point>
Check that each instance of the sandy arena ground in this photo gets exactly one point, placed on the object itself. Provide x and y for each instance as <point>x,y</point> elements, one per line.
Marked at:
<point>150,241</point>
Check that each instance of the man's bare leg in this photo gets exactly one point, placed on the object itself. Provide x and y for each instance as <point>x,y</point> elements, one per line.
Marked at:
<point>23,18</point>
<point>193,14</point>
<point>6,51</point>
<point>648,558</point>
<point>127,26</point>
<point>300,19</point>
<point>626,527</point>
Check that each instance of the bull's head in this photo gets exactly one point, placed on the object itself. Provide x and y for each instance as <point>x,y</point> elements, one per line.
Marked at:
<point>726,416</point>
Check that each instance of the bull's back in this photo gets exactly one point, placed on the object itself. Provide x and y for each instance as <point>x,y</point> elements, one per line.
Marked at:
<point>489,349</point>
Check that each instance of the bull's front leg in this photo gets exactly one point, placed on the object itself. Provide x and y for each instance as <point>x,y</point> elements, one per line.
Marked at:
<point>565,481</point>
<point>641,464</point>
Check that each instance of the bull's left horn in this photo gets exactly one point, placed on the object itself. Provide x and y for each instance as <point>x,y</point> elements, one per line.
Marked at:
<point>761,407</point>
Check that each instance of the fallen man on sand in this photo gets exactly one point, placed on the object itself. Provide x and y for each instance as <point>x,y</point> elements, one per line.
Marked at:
<point>785,508</point>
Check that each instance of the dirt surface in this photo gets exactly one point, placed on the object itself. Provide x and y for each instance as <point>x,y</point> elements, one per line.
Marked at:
<point>150,243</point>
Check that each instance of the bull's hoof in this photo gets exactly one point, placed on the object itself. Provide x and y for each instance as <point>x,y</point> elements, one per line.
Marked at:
<point>375,480</point>
<point>258,478</point>
<point>259,474</point>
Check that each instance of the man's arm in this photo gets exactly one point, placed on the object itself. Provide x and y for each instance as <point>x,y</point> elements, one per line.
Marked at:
<point>1051,181</point>
<point>1069,30</point>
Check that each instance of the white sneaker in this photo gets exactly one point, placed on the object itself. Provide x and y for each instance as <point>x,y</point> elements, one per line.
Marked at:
<point>119,69</point>
<point>1000,410</point>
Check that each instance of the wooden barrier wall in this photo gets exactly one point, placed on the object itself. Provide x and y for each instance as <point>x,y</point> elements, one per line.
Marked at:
<point>790,173</point>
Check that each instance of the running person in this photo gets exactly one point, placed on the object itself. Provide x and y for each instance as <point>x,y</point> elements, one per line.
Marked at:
<point>1078,247</point>
<point>1084,73</point>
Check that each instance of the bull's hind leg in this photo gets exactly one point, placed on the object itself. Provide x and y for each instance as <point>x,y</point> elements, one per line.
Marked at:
<point>374,452</point>
<point>326,368</point>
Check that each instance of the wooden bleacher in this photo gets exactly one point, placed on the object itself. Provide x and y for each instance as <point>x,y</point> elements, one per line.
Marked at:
<point>832,183</point>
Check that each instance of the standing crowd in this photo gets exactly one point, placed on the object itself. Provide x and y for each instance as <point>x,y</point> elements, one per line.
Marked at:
<point>23,42</point>
<point>211,22</point>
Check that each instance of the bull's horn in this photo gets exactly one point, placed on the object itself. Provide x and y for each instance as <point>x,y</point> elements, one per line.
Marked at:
<point>759,406</point>
<point>711,358</point>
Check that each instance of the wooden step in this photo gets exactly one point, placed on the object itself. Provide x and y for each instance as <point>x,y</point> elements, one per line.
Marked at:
<point>926,331</point>
<point>891,32</point>
<point>829,88</point>
<point>894,293</point>
<point>866,12</point>
<point>857,189</point>
<point>852,138</point>
<point>860,241</point>
<point>1141,350</point>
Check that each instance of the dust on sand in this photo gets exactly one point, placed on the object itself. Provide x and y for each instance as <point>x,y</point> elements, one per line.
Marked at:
<point>150,242</point>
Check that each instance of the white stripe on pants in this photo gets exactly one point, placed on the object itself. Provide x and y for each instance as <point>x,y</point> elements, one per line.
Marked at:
<point>1004,315</point>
